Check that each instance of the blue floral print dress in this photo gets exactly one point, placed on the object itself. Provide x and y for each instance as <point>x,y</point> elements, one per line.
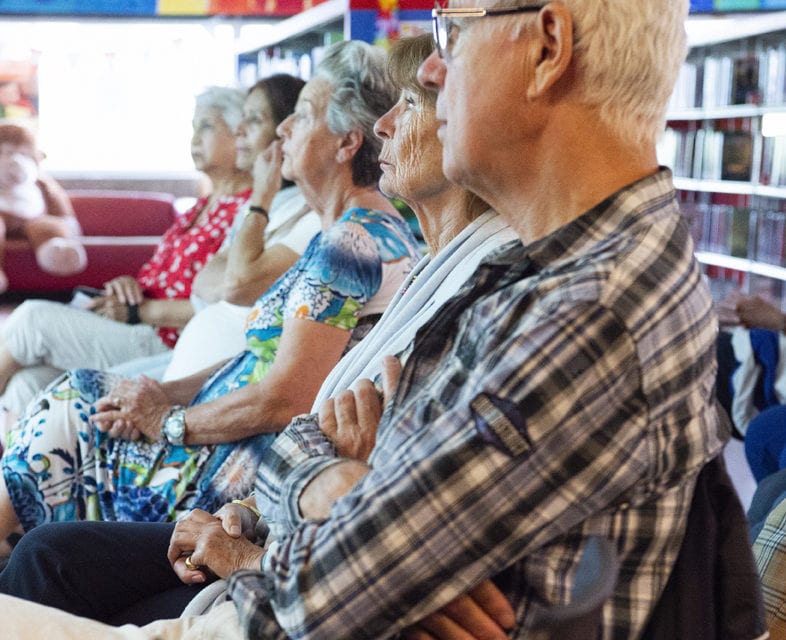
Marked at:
<point>59,467</point>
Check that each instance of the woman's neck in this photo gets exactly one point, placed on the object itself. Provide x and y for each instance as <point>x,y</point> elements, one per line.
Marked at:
<point>443,216</point>
<point>231,182</point>
<point>331,204</point>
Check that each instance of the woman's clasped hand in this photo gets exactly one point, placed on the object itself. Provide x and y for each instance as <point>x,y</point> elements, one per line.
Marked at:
<point>132,409</point>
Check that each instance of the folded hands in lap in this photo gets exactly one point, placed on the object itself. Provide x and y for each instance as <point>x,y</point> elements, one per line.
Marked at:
<point>222,543</point>
<point>134,408</point>
<point>217,544</point>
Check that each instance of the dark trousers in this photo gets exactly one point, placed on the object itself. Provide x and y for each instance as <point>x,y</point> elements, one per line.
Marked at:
<point>115,572</point>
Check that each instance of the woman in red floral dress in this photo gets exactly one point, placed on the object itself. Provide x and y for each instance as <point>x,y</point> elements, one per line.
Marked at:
<point>136,315</point>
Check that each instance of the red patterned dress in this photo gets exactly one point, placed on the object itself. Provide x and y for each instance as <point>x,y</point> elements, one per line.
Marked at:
<point>183,251</point>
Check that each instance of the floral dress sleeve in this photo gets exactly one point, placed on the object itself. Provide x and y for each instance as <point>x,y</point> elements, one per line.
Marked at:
<point>340,271</point>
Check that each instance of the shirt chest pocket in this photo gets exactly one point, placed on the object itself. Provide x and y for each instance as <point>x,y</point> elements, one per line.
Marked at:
<point>501,424</point>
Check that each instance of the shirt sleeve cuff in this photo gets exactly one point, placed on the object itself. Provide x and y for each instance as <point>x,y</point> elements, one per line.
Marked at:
<point>295,483</point>
<point>301,441</point>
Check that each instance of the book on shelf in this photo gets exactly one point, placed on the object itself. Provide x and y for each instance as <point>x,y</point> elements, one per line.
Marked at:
<point>729,230</point>
<point>687,90</point>
<point>772,74</point>
<point>675,150</point>
<point>698,153</point>
<point>717,81</point>
<point>773,161</point>
<point>736,155</point>
<point>720,228</point>
<point>713,154</point>
<point>740,232</point>
<point>745,87</point>
<point>770,230</point>
<point>711,157</point>
<point>737,231</point>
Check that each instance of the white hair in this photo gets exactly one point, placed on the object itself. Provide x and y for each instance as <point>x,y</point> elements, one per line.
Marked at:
<point>628,54</point>
<point>228,100</point>
<point>361,92</point>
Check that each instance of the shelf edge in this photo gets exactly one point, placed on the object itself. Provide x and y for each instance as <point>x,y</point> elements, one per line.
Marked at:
<point>308,20</point>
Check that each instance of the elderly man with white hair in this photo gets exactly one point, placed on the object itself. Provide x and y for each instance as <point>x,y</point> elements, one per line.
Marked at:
<point>565,392</point>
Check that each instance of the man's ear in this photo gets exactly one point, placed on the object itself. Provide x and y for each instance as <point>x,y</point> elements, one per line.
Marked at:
<point>350,145</point>
<point>554,31</point>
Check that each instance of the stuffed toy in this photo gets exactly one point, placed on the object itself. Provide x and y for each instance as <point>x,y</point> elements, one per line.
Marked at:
<point>34,207</point>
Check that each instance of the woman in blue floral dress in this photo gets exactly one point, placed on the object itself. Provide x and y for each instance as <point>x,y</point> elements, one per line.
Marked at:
<point>96,446</point>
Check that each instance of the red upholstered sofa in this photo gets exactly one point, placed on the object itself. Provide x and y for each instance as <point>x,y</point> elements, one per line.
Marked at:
<point>120,231</point>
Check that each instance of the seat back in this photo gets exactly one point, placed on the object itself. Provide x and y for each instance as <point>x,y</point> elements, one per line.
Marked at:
<point>120,214</point>
<point>714,591</point>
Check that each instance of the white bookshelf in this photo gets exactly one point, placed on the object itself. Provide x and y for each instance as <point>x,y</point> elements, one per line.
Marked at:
<point>706,122</point>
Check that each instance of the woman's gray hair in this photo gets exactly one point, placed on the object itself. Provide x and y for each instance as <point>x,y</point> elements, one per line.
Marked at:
<point>361,93</point>
<point>404,59</point>
<point>228,100</point>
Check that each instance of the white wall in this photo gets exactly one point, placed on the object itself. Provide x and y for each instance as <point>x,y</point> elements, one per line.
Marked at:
<point>116,96</point>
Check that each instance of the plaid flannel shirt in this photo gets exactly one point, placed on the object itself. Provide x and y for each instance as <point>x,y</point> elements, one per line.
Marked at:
<point>769,549</point>
<point>565,391</point>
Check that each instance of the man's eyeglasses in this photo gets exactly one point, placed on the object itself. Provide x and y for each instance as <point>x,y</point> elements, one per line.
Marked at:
<point>446,30</point>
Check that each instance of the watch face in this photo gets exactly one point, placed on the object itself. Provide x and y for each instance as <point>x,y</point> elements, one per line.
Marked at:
<point>175,427</point>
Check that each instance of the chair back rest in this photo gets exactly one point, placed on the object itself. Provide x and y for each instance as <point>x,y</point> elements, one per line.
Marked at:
<point>123,213</point>
<point>714,591</point>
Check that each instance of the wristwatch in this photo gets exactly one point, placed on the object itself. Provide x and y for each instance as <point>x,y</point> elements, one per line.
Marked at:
<point>174,427</point>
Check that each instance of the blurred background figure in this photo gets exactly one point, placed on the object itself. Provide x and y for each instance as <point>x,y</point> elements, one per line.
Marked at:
<point>33,206</point>
<point>141,314</point>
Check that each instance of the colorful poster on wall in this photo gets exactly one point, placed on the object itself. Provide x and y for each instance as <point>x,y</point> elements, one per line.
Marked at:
<point>259,7</point>
<point>182,7</point>
<point>737,5</point>
<point>19,91</point>
<point>79,7</point>
<point>713,6</point>
<point>157,7</point>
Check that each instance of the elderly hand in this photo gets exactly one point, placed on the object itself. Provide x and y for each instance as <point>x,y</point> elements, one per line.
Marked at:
<point>754,312</point>
<point>483,613</point>
<point>201,542</point>
<point>126,289</point>
<point>238,520</point>
<point>351,419</point>
<point>109,307</point>
<point>267,175</point>
<point>132,408</point>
